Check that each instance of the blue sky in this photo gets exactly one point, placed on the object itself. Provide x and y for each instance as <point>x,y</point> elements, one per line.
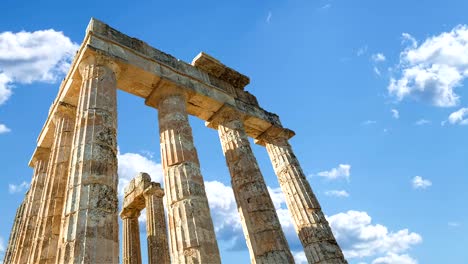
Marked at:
<point>375,91</point>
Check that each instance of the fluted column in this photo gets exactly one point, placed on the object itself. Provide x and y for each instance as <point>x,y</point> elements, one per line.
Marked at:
<point>262,228</point>
<point>309,221</point>
<point>192,236</point>
<point>90,225</point>
<point>131,236</point>
<point>19,219</point>
<point>156,232</point>
<point>40,162</point>
<point>45,240</point>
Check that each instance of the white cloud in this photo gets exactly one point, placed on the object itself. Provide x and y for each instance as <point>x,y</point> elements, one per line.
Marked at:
<point>130,164</point>
<point>392,258</point>
<point>378,57</point>
<point>422,122</point>
<point>377,71</point>
<point>432,70</point>
<point>13,188</point>
<point>300,257</point>
<point>26,57</point>
<point>369,122</point>
<point>359,238</point>
<point>4,129</point>
<point>454,224</point>
<point>361,51</point>
<point>420,183</point>
<point>337,193</point>
<point>395,113</point>
<point>459,117</point>
<point>342,171</point>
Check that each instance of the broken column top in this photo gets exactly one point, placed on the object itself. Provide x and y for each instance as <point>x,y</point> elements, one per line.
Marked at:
<point>214,67</point>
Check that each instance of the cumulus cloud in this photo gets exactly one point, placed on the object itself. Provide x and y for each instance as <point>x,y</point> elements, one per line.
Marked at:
<point>4,129</point>
<point>395,113</point>
<point>420,183</point>
<point>359,238</point>
<point>392,258</point>
<point>26,57</point>
<point>342,171</point>
<point>130,164</point>
<point>459,117</point>
<point>337,193</point>
<point>432,70</point>
<point>16,188</point>
<point>378,57</point>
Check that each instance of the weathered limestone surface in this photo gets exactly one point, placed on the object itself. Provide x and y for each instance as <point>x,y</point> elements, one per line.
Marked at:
<point>46,235</point>
<point>156,232</point>
<point>262,229</point>
<point>19,220</point>
<point>90,226</point>
<point>29,224</point>
<point>309,221</point>
<point>131,236</point>
<point>191,230</point>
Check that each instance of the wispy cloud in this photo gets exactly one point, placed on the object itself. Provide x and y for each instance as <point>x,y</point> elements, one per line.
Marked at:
<point>337,193</point>
<point>395,113</point>
<point>378,57</point>
<point>16,188</point>
<point>369,122</point>
<point>361,51</point>
<point>342,171</point>
<point>422,122</point>
<point>454,224</point>
<point>326,6</point>
<point>421,183</point>
<point>268,18</point>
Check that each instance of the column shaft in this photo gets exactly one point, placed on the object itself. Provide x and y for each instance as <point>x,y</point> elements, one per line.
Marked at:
<point>90,225</point>
<point>191,230</point>
<point>158,250</point>
<point>262,229</point>
<point>131,237</point>
<point>313,229</point>
<point>29,224</point>
<point>45,240</point>
<point>19,220</point>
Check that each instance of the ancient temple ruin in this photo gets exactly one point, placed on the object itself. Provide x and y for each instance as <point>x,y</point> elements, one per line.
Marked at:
<point>70,213</point>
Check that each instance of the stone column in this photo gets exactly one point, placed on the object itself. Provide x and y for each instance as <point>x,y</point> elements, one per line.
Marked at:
<point>158,251</point>
<point>262,228</point>
<point>191,230</point>
<point>40,162</point>
<point>131,236</point>
<point>309,221</point>
<point>45,240</point>
<point>90,225</point>
<point>19,220</point>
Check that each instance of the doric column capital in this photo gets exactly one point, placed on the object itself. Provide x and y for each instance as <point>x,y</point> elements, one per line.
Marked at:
<point>103,63</point>
<point>64,110</point>
<point>274,135</point>
<point>40,154</point>
<point>154,189</point>
<point>224,115</point>
<point>129,213</point>
<point>164,88</point>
